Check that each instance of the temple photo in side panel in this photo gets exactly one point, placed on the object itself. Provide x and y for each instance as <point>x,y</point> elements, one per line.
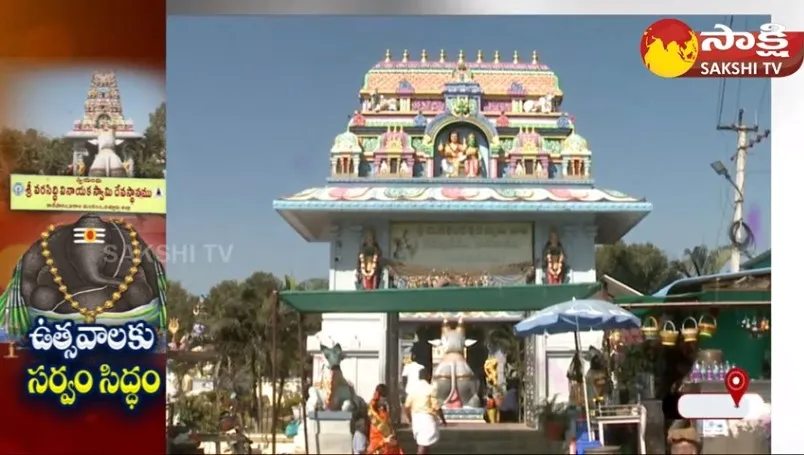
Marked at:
<point>83,224</point>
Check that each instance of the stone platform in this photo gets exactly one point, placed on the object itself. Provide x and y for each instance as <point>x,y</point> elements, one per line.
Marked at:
<point>485,438</point>
<point>328,432</point>
<point>464,415</point>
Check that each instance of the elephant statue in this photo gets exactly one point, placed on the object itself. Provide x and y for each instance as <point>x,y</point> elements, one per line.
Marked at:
<point>92,266</point>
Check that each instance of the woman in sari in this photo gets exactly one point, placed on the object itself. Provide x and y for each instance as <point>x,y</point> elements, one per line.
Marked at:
<point>382,439</point>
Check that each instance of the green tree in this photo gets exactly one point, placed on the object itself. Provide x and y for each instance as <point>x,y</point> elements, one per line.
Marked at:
<point>643,266</point>
<point>56,156</point>
<point>33,152</point>
<point>181,306</point>
<point>150,153</point>
<point>238,316</point>
<point>701,260</point>
<point>314,284</point>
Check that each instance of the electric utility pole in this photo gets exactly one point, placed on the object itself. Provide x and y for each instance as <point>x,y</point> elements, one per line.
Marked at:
<point>740,158</point>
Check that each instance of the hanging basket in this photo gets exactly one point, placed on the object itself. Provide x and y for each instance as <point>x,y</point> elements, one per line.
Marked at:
<point>650,328</point>
<point>669,333</point>
<point>689,330</point>
<point>707,326</point>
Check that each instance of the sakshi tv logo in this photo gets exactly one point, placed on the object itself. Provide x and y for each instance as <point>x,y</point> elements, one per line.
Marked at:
<point>670,49</point>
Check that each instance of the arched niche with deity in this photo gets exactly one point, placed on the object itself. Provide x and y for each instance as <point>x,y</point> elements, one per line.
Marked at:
<point>554,260</point>
<point>461,150</point>
<point>369,261</point>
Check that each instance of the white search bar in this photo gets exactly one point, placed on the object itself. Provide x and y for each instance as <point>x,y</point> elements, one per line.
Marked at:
<point>720,406</point>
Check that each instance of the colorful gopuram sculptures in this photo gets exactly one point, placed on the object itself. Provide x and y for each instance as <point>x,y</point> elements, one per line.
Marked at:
<point>461,119</point>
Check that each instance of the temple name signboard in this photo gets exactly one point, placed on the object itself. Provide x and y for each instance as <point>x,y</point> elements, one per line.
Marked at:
<point>461,245</point>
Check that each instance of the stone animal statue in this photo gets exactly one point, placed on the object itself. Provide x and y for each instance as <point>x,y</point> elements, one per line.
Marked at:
<point>91,260</point>
<point>334,392</point>
<point>455,382</point>
<point>545,104</point>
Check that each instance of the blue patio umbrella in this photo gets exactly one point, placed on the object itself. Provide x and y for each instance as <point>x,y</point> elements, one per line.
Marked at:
<point>577,316</point>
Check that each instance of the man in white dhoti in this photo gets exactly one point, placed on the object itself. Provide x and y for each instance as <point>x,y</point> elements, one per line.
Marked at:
<point>423,411</point>
<point>410,372</point>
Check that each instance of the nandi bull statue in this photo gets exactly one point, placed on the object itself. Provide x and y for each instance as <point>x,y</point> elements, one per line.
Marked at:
<point>333,392</point>
<point>455,383</point>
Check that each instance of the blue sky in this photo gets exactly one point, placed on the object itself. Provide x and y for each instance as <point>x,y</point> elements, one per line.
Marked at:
<point>255,102</point>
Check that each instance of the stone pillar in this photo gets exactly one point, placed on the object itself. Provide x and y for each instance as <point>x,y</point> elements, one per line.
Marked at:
<point>529,387</point>
<point>392,361</point>
<point>541,230</point>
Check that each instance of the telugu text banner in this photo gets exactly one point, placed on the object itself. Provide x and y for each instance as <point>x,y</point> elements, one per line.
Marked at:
<point>459,245</point>
<point>88,194</point>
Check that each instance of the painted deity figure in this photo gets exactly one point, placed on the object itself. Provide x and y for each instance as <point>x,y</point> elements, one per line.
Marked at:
<point>490,367</point>
<point>455,383</point>
<point>555,270</point>
<point>472,163</point>
<point>452,154</point>
<point>106,162</point>
<point>368,262</point>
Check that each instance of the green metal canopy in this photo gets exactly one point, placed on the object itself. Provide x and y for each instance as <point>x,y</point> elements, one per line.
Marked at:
<point>444,299</point>
<point>758,262</point>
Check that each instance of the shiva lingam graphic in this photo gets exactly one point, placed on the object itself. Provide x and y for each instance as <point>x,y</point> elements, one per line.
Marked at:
<point>455,384</point>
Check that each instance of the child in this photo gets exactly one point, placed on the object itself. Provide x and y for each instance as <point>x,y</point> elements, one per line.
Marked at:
<point>360,436</point>
<point>683,438</point>
<point>492,412</point>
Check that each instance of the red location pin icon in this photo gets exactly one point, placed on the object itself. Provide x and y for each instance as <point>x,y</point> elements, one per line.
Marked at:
<point>737,384</point>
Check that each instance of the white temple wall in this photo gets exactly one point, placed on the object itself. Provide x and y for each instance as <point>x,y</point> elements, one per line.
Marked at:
<point>361,335</point>
<point>364,336</point>
<point>554,352</point>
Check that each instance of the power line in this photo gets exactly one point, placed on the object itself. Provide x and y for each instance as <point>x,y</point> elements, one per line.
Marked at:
<point>740,80</point>
<point>762,98</point>
<point>721,96</point>
<point>722,86</point>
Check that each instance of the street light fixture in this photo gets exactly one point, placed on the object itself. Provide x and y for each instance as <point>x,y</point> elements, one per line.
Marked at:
<point>722,170</point>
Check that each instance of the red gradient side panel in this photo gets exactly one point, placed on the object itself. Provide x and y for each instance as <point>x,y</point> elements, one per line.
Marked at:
<point>59,34</point>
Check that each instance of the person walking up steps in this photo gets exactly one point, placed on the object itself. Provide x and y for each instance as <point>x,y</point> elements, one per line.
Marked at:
<point>423,411</point>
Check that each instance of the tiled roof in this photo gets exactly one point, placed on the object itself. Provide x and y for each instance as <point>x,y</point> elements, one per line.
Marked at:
<point>430,77</point>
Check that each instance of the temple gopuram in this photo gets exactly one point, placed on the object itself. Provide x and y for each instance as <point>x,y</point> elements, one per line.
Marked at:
<point>460,198</point>
<point>103,113</point>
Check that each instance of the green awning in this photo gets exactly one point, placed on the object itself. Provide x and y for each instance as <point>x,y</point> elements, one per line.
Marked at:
<point>761,261</point>
<point>729,296</point>
<point>687,296</point>
<point>445,299</point>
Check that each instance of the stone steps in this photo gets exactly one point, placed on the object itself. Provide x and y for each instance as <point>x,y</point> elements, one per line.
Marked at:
<point>472,438</point>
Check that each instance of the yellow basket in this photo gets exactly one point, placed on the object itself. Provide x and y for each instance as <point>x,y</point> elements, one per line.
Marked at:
<point>689,330</point>
<point>669,333</point>
<point>707,326</point>
<point>650,328</point>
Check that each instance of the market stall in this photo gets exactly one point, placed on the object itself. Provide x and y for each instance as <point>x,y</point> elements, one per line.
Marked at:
<point>693,332</point>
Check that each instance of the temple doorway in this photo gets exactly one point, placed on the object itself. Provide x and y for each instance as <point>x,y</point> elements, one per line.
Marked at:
<point>493,339</point>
